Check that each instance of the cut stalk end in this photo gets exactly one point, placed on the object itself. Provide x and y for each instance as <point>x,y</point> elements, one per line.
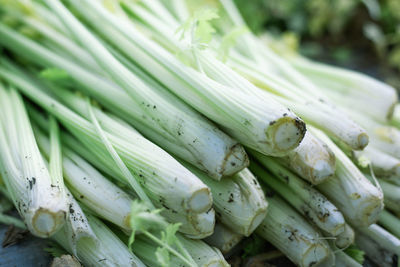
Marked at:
<point>338,230</point>
<point>201,201</point>
<point>45,223</point>
<point>257,220</point>
<point>346,238</point>
<point>235,161</point>
<point>223,238</point>
<point>322,170</point>
<point>317,255</point>
<point>287,133</point>
<point>363,140</point>
<point>204,224</point>
<point>369,211</point>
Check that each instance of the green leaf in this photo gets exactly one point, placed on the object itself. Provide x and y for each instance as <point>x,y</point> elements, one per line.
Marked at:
<point>354,252</point>
<point>199,23</point>
<point>253,246</point>
<point>373,7</point>
<point>169,235</point>
<point>142,219</point>
<point>229,41</point>
<point>162,255</point>
<point>204,29</point>
<point>364,161</point>
<point>55,250</point>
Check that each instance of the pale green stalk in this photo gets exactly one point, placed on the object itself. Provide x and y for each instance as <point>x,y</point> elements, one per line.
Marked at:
<point>10,220</point>
<point>352,193</point>
<point>302,196</point>
<point>118,161</point>
<point>223,238</point>
<point>189,142</point>
<point>290,233</point>
<point>110,251</point>
<point>77,227</point>
<point>349,88</point>
<point>391,193</point>
<point>63,43</point>
<point>346,238</point>
<point>105,198</point>
<point>224,75</point>
<point>312,160</point>
<point>274,68</point>
<point>186,190</point>
<point>332,120</point>
<point>344,260</point>
<point>381,246</point>
<point>239,201</point>
<point>390,222</point>
<point>55,156</point>
<point>385,166</point>
<point>204,255</point>
<point>243,116</point>
<point>37,195</point>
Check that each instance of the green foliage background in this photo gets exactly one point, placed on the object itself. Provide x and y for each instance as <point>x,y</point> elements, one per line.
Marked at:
<point>351,33</point>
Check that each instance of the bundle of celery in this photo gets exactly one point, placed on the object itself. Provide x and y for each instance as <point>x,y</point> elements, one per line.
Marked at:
<point>131,130</point>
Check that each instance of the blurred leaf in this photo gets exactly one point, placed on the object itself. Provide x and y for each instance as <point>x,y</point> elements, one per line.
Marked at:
<point>311,49</point>
<point>374,33</point>
<point>342,55</point>
<point>13,236</point>
<point>394,57</point>
<point>199,22</point>
<point>162,255</point>
<point>253,246</point>
<point>55,249</point>
<point>373,8</point>
<point>354,252</point>
<point>142,219</point>
<point>229,41</point>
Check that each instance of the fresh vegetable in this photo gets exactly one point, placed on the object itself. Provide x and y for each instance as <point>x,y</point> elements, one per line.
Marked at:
<point>223,238</point>
<point>38,196</point>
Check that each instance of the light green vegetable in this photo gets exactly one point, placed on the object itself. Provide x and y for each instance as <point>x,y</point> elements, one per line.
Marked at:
<point>355,196</point>
<point>190,135</point>
<point>305,199</point>
<point>291,234</point>
<point>37,195</point>
<point>223,238</point>
<point>381,246</point>
<point>153,174</point>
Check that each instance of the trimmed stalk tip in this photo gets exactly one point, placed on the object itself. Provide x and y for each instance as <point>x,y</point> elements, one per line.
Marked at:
<point>45,223</point>
<point>203,223</point>
<point>257,220</point>
<point>369,210</point>
<point>201,201</point>
<point>322,170</point>
<point>235,160</point>
<point>317,255</point>
<point>287,133</point>
<point>363,140</point>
